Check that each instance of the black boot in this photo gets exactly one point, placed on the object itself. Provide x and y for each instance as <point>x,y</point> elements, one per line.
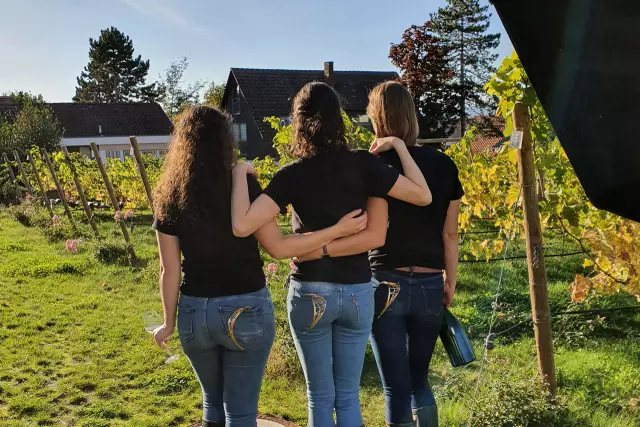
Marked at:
<point>427,416</point>
<point>213,424</point>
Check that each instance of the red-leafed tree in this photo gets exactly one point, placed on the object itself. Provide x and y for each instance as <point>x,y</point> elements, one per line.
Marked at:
<point>425,71</point>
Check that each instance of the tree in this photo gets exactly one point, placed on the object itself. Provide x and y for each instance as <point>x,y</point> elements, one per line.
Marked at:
<point>213,95</point>
<point>113,74</point>
<point>462,26</point>
<point>32,124</point>
<point>424,70</point>
<point>173,94</point>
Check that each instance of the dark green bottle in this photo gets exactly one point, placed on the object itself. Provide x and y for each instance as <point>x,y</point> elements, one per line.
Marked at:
<point>455,341</point>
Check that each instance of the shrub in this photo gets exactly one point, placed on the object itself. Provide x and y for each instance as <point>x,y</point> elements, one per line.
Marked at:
<point>110,252</point>
<point>24,212</point>
<point>517,402</point>
<point>57,234</point>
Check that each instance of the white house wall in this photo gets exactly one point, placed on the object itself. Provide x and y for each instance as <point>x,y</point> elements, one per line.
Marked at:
<point>115,140</point>
<point>119,146</point>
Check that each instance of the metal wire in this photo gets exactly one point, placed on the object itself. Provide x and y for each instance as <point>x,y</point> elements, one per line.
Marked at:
<point>494,306</point>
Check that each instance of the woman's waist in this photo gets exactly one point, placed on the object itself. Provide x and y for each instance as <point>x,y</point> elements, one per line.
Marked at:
<point>418,269</point>
<point>407,276</point>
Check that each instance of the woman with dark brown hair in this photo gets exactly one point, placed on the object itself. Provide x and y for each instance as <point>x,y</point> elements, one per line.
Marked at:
<point>225,316</point>
<point>330,300</point>
<point>421,244</point>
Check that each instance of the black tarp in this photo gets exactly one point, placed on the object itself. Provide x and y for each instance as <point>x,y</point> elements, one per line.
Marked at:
<point>583,59</point>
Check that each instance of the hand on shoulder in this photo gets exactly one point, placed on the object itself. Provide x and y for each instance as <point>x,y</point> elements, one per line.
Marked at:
<point>387,143</point>
<point>244,168</point>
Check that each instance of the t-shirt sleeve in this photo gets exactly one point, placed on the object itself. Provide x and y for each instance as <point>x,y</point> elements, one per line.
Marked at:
<point>457,191</point>
<point>380,176</point>
<point>255,189</point>
<point>165,226</point>
<point>281,187</point>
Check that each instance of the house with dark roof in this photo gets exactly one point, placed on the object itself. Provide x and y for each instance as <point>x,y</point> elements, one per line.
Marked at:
<point>109,126</point>
<point>253,94</point>
<point>489,135</point>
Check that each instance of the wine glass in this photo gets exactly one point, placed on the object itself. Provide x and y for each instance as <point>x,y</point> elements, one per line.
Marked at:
<point>153,320</point>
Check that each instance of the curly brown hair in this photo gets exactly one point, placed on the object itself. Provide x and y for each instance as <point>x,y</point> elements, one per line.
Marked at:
<point>317,121</point>
<point>196,176</point>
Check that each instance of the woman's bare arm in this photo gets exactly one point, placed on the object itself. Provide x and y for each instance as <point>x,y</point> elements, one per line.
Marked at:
<point>170,276</point>
<point>280,246</point>
<point>450,238</point>
<point>370,238</point>
<point>247,217</point>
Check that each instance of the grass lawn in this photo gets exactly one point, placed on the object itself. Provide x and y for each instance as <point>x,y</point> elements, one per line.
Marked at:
<point>73,350</point>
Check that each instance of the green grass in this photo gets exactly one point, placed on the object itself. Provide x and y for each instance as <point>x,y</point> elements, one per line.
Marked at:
<point>73,350</point>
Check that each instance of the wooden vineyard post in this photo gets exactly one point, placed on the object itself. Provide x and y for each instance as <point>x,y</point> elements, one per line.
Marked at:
<point>143,171</point>
<point>535,256</point>
<point>83,199</point>
<point>56,181</point>
<point>112,196</point>
<point>40,185</point>
<point>11,174</point>
<point>25,180</point>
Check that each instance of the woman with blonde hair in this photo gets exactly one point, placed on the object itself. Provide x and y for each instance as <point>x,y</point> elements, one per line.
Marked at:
<point>224,312</point>
<point>416,267</point>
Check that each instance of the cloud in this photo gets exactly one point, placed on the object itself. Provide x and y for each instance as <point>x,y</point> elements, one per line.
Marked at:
<point>164,12</point>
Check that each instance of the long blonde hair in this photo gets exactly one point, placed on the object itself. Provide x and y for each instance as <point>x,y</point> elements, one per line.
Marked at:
<point>393,112</point>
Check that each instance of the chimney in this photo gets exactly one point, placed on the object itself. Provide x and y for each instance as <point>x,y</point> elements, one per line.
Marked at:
<point>328,73</point>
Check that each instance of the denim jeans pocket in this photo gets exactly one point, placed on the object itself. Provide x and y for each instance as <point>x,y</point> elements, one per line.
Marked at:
<point>244,325</point>
<point>364,301</point>
<point>185,323</point>
<point>433,293</point>
<point>306,310</point>
<point>386,294</point>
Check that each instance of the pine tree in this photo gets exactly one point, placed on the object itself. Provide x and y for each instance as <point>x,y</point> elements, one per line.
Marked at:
<point>113,74</point>
<point>462,26</point>
<point>424,70</point>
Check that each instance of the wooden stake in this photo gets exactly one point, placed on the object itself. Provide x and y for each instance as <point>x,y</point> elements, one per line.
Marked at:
<point>52,170</point>
<point>34,168</point>
<point>112,196</point>
<point>83,199</point>
<point>143,171</point>
<point>13,175</point>
<point>25,180</point>
<point>535,256</point>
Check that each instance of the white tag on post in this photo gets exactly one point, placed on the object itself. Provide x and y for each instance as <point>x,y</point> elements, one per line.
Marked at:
<point>516,139</point>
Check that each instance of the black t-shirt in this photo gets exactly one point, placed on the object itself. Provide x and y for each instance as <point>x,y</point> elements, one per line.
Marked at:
<point>414,237</point>
<point>324,188</point>
<point>215,262</point>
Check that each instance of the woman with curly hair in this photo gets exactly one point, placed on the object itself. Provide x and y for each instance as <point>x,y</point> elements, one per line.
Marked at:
<point>225,315</point>
<point>330,300</point>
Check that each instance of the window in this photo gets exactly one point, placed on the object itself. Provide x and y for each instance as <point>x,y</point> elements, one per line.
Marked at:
<point>235,106</point>
<point>240,131</point>
<point>113,154</point>
<point>363,119</point>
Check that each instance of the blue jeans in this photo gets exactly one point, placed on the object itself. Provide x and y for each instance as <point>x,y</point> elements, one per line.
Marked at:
<point>330,324</point>
<point>227,341</point>
<point>403,338</point>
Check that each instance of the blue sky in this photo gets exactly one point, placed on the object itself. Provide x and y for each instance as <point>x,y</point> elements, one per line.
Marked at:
<point>44,44</point>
